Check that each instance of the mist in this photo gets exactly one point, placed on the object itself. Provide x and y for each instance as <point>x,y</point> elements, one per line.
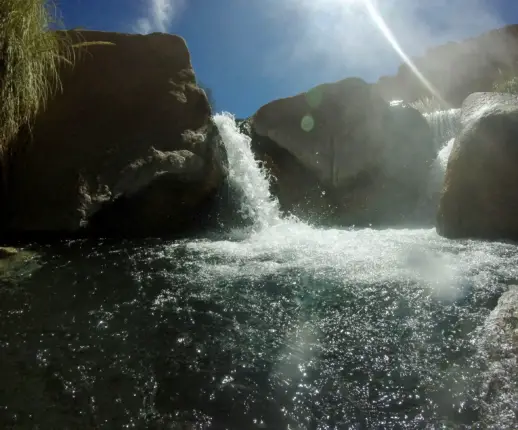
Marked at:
<point>341,34</point>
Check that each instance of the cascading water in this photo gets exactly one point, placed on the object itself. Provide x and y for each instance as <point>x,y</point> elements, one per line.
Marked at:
<point>445,125</point>
<point>246,178</point>
<point>290,327</point>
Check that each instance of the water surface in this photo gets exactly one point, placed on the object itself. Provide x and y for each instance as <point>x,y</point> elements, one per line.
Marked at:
<point>291,328</point>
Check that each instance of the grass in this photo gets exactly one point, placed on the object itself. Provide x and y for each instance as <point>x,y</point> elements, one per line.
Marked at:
<point>31,55</point>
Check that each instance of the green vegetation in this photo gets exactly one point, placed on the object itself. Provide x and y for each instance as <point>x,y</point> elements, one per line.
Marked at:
<point>31,54</point>
<point>506,85</point>
<point>30,57</point>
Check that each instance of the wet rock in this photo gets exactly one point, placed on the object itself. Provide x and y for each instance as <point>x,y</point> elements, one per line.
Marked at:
<point>7,252</point>
<point>16,263</point>
<point>478,199</point>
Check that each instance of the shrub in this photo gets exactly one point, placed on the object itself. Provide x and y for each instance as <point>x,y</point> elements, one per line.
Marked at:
<point>509,85</point>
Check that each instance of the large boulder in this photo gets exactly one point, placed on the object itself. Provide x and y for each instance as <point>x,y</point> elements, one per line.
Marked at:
<point>479,194</point>
<point>313,126</point>
<point>128,147</point>
<point>340,150</point>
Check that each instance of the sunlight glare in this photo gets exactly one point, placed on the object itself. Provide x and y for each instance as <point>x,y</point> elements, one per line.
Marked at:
<point>382,26</point>
<point>345,8</point>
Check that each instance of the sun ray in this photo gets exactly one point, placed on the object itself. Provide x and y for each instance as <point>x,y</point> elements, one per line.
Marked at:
<point>382,26</point>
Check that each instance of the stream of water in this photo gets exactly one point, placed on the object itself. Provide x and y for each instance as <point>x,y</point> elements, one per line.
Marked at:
<point>281,326</point>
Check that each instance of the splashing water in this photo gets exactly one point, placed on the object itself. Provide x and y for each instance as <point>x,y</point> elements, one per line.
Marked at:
<point>289,327</point>
<point>445,125</point>
<point>256,203</point>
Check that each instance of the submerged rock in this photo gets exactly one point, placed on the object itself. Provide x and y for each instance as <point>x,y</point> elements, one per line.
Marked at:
<point>340,150</point>
<point>128,148</point>
<point>479,194</point>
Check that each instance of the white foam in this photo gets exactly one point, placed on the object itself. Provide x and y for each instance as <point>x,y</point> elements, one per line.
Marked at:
<point>257,204</point>
<point>355,256</point>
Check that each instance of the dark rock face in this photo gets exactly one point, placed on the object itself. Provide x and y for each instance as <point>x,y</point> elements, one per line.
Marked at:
<point>341,152</point>
<point>457,69</point>
<point>128,148</point>
<point>479,195</point>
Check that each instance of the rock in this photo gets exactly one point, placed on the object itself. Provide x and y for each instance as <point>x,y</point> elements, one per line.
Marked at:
<point>128,148</point>
<point>7,252</point>
<point>479,193</point>
<point>499,346</point>
<point>456,70</point>
<point>184,164</point>
<point>16,264</point>
<point>341,151</point>
<point>313,126</point>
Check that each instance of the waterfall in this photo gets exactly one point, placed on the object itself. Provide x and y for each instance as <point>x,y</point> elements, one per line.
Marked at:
<point>445,125</point>
<point>257,207</point>
<point>249,183</point>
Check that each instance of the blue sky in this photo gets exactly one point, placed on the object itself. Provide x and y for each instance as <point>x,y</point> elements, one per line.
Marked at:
<point>250,52</point>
